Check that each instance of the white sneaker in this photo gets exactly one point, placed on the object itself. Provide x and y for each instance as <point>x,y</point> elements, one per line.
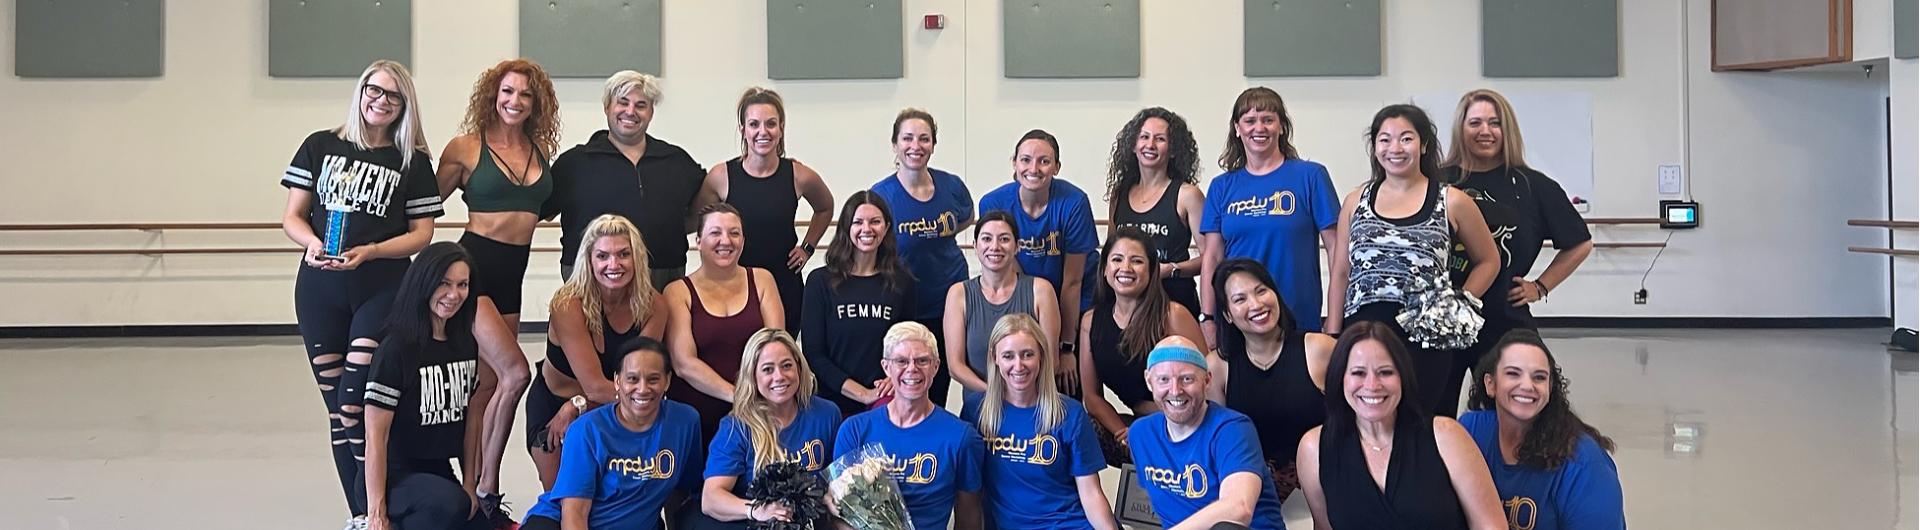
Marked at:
<point>357,522</point>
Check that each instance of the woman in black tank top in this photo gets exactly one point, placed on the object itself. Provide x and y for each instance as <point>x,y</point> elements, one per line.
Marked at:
<point>766,187</point>
<point>1381,461</point>
<point>1153,184</point>
<point>1268,369</point>
<point>605,302</point>
<point>1116,358</point>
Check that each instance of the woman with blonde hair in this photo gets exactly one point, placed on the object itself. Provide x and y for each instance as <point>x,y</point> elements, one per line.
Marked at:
<point>605,302</point>
<point>360,200</point>
<point>1523,208</point>
<point>1044,461</point>
<point>499,161</point>
<point>767,186</point>
<point>776,418</point>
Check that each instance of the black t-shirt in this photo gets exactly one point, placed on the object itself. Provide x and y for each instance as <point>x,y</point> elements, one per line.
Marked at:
<point>426,387</point>
<point>843,329</point>
<point>656,194</point>
<point>379,197</point>
<point>1523,208</point>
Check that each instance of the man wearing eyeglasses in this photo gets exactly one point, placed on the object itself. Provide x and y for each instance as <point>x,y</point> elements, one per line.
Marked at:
<point>625,171</point>
<point>937,458</point>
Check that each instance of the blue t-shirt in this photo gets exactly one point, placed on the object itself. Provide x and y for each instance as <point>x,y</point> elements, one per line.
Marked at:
<point>808,440</point>
<point>1065,228</point>
<point>1276,219</point>
<point>1582,494</point>
<point>1030,477</point>
<point>933,460</point>
<point>926,230</point>
<point>627,474</point>
<point>1183,477</point>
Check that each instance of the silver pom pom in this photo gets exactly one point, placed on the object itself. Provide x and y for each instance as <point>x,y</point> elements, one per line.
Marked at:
<point>1441,317</point>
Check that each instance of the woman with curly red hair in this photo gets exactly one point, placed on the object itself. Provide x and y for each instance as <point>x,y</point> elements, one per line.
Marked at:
<point>499,162</point>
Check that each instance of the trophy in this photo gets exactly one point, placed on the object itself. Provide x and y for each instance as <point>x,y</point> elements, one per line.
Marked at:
<point>336,231</point>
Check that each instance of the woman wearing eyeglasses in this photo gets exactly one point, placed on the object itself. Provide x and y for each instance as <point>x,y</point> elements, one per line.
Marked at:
<point>360,200</point>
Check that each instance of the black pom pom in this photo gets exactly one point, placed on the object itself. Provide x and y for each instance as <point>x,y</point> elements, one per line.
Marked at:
<point>791,483</point>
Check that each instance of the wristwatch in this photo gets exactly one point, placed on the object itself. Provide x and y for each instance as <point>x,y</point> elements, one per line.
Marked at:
<point>1205,317</point>
<point>1068,347</point>
<point>579,403</point>
<point>808,248</point>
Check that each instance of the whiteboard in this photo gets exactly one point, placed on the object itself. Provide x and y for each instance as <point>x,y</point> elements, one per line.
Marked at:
<point>1557,127</point>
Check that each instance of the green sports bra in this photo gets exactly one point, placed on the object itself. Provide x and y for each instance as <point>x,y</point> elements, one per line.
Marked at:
<point>489,189</point>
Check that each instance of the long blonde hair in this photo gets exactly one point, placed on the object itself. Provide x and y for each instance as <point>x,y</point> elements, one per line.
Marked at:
<point>1051,407</point>
<point>1512,149</point>
<point>407,134</point>
<point>752,409</point>
<point>581,285</point>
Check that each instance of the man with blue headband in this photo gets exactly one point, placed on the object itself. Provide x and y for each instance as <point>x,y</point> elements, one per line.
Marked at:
<point>1199,462</point>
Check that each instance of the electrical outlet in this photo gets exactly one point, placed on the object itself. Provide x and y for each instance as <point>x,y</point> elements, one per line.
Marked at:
<point>1670,180</point>
<point>1640,297</point>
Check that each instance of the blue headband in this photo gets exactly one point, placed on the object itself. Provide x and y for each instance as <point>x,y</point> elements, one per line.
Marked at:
<point>1174,352</point>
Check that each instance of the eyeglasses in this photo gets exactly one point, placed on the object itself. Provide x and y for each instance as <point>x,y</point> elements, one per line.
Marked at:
<point>374,93</point>
<point>917,362</point>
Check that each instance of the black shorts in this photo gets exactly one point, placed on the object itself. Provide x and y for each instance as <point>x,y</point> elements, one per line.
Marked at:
<point>499,270</point>
<point>542,406</point>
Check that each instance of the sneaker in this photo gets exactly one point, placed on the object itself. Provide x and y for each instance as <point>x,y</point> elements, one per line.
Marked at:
<point>499,515</point>
<point>357,522</point>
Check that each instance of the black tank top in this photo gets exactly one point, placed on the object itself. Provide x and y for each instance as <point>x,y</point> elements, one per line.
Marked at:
<point>609,351</point>
<point>1419,492</point>
<point>1124,377</point>
<point>1281,400</point>
<point>1172,239</point>
<point>767,206</point>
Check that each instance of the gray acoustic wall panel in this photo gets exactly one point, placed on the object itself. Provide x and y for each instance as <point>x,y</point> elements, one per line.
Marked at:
<point>591,38</point>
<point>1303,38</point>
<point>835,39</point>
<point>1550,38</point>
<point>1071,38</point>
<point>1906,36</point>
<point>89,38</point>
<point>336,38</point>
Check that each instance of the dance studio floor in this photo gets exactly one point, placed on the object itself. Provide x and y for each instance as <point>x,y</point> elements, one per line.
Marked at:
<point>1752,429</point>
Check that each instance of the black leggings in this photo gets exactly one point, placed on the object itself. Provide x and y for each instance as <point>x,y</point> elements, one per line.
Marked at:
<point>335,308</point>
<point>424,495</point>
<point>1430,367</point>
<point>499,269</point>
<point>542,406</point>
<point>1463,362</point>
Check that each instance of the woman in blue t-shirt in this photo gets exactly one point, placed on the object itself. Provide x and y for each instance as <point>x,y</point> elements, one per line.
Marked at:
<point>936,456</point>
<point>1552,469</point>
<point>1271,206</point>
<point>1056,232</point>
<point>776,418</point>
<point>622,466</point>
<point>930,207</point>
<point>1043,458</point>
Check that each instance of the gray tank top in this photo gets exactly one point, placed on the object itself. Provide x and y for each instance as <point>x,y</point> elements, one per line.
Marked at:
<point>982,315</point>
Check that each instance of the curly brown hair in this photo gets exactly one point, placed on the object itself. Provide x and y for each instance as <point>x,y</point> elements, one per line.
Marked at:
<point>543,127</point>
<point>1556,432</point>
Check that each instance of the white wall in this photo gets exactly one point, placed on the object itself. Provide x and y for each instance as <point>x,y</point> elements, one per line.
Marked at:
<point>1904,91</point>
<point>1779,160</point>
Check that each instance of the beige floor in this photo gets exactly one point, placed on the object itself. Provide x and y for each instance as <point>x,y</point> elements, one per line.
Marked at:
<point>1717,429</point>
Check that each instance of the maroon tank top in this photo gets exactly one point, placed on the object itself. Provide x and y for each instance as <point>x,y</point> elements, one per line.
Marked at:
<point>719,342</point>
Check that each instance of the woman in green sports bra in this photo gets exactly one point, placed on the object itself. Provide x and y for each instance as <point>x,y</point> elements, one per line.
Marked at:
<point>499,161</point>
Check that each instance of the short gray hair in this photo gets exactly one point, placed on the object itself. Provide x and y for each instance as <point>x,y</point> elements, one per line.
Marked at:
<point>624,82</point>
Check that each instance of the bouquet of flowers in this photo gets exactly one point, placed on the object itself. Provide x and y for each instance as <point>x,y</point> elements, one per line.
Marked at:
<point>790,483</point>
<point>1441,317</point>
<point>864,491</point>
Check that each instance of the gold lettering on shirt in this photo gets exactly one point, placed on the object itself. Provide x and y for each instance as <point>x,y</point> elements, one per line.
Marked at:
<point>1039,450</point>
<point>1190,482</point>
<point>659,467</point>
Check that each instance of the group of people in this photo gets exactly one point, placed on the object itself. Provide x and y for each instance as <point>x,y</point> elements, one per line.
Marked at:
<point>1211,342</point>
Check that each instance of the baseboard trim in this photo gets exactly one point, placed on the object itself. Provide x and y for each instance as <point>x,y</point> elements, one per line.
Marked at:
<point>270,330</point>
